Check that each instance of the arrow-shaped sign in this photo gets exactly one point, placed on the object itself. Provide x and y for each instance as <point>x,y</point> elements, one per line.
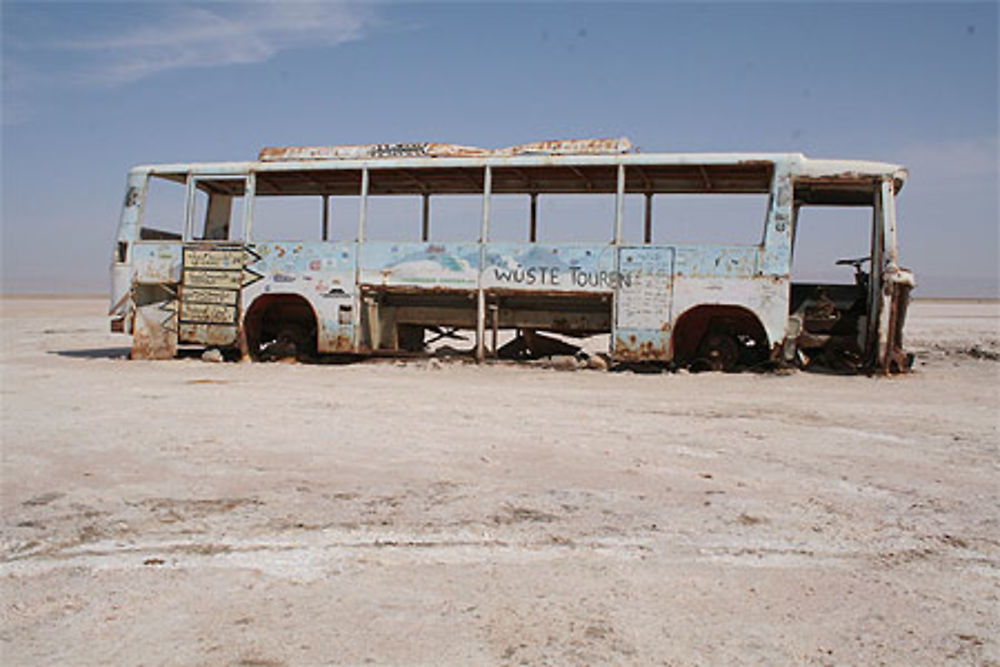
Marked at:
<point>250,277</point>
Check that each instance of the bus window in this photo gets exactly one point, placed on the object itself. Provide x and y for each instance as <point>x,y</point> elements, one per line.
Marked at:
<point>826,234</point>
<point>724,219</point>
<point>456,218</point>
<point>163,210</point>
<point>344,214</point>
<point>510,218</point>
<point>634,219</point>
<point>199,222</point>
<point>394,218</point>
<point>282,218</point>
<point>217,208</point>
<point>576,218</point>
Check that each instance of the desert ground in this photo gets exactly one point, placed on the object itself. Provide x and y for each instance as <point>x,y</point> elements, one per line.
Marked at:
<point>186,512</point>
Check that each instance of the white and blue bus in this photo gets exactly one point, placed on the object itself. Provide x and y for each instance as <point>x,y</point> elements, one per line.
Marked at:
<point>232,265</point>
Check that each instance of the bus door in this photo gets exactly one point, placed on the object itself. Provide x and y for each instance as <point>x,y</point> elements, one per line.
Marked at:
<point>644,286</point>
<point>216,263</point>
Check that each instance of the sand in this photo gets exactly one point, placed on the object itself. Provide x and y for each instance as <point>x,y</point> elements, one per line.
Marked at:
<point>185,512</point>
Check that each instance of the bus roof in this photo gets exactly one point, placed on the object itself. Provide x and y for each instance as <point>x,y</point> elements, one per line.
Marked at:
<point>564,167</point>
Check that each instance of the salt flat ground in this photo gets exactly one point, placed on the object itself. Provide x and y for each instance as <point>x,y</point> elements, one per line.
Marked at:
<point>184,512</point>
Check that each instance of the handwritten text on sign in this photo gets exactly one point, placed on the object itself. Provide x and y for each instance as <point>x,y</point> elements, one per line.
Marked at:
<point>554,275</point>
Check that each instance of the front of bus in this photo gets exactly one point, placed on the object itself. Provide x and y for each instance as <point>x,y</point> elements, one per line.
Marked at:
<point>857,326</point>
<point>122,272</point>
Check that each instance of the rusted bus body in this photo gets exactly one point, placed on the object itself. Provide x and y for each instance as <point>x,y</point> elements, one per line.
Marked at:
<point>217,284</point>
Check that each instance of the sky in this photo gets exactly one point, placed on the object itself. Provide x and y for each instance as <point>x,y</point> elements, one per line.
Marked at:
<point>90,89</point>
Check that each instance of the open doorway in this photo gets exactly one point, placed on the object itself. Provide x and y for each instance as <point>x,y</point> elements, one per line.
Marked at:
<point>832,253</point>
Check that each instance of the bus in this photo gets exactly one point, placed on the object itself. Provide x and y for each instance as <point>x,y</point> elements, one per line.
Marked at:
<point>195,265</point>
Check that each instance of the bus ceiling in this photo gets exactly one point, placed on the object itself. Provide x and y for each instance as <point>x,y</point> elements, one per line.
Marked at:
<point>841,191</point>
<point>444,180</point>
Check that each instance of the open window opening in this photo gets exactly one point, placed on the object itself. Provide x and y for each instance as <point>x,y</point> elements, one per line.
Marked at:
<point>308,205</point>
<point>831,244</point>
<point>719,219</point>
<point>576,218</point>
<point>217,208</point>
<point>277,218</point>
<point>634,220</point>
<point>394,218</point>
<point>456,218</point>
<point>163,211</point>
<point>510,219</point>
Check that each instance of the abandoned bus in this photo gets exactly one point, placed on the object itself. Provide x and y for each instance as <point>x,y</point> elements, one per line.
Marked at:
<point>210,274</point>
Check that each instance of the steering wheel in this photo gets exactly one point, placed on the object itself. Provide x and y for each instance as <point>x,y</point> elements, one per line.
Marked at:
<point>856,263</point>
<point>859,274</point>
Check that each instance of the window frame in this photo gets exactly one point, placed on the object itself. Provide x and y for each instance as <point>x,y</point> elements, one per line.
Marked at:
<point>246,218</point>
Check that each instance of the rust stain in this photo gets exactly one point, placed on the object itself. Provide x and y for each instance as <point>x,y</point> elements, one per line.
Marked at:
<point>144,347</point>
<point>217,335</point>
<point>645,351</point>
<point>339,343</point>
<point>154,333</point>
<point>410,289</point>
<point>603,295</point>
<point>896,359</point>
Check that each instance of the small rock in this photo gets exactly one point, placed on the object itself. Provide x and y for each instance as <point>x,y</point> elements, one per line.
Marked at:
<point>212,355</point>
<point>563,362</point>
<point>434,365</point>
<point>43,499</point>
<point>597,363</point>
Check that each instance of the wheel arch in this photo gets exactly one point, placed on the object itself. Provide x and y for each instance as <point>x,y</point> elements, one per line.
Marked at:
<point>269,310</point>
<point>691,327</point>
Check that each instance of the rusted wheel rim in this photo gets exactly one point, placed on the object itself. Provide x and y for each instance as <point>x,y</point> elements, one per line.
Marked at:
<point>720,351</point>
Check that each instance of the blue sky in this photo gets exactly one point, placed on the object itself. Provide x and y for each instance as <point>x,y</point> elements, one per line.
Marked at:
<point>91,89</point>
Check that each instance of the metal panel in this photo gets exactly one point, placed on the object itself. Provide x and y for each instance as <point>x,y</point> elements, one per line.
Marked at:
<point>156,262</point>
<point>717,261</point>
<point>551,267</point>
<point>642,305</point>
<point>154,334</point>
<point>420,265</point>
<point>209,334</point>
<point>644,302</point>
<point>321,273</point>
